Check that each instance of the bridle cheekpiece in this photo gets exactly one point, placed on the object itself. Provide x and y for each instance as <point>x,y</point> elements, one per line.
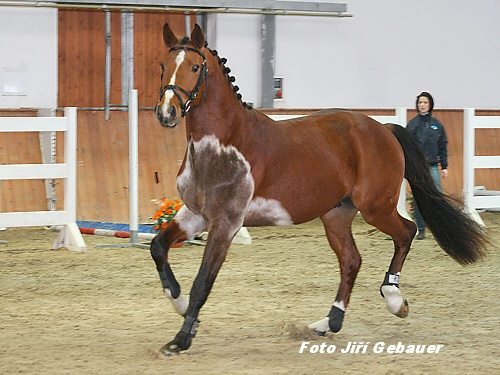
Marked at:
<point>186,106</point>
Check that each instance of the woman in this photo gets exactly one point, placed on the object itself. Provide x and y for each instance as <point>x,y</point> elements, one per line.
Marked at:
<point>431,138</point>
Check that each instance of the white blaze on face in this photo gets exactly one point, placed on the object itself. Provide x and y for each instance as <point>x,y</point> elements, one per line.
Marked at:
<point>169,93</point>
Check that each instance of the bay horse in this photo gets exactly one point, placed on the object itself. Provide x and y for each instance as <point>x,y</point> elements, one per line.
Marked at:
<point>243,168</point>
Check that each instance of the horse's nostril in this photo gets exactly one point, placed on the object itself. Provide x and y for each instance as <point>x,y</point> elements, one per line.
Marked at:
<point>171,111</point>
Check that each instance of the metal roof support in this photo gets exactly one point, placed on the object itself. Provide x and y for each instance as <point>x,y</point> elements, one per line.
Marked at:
<point>127,56</point>
<point>268,41</point>
<point>276,7</point>
<point>107,64</point>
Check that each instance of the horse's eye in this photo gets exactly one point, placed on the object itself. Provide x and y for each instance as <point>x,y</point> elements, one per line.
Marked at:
<point>195,68</point>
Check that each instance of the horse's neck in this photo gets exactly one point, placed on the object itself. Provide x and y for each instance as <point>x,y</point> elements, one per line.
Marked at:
<point>220,112</point>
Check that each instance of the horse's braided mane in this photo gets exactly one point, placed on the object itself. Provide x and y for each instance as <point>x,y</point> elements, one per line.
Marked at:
<point>231,79</point>
<point>222,62</point>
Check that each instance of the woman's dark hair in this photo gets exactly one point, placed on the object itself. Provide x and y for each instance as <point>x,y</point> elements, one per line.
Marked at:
<point>428,96</point>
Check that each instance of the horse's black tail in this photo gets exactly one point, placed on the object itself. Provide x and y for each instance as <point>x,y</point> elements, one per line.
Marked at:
<point>460,236</point>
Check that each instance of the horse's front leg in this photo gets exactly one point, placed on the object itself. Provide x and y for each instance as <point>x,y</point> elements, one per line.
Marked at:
<point>221,232</point>
<point>185,225</point>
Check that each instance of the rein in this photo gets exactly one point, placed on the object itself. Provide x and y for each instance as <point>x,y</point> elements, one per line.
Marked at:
<point>186,106</point>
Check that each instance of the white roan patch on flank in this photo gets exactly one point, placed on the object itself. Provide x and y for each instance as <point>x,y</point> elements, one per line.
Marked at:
<point>170,93</point>
<point>270,209</point>
<point>180,303</point>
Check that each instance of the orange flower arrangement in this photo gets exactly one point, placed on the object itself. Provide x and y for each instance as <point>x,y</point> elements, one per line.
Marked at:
<point>167,209</point>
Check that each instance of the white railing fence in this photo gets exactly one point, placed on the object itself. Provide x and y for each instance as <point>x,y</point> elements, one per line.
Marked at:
<point>69,236</point>
<point>473,198</point>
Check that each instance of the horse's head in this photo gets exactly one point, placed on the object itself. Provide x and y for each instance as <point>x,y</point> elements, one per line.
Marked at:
<point>184,74</point>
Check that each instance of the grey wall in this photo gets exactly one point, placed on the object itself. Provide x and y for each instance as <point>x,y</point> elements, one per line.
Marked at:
<point>28,58</point>
<point>381,58</point>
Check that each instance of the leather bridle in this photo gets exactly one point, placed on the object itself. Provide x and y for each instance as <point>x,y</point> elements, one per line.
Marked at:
<point>177,90</point>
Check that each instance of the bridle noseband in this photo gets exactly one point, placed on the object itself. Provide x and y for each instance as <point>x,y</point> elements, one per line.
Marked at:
<point>186,106</point>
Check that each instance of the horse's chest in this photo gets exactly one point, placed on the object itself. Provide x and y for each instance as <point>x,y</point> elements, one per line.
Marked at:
<point>214,174</point>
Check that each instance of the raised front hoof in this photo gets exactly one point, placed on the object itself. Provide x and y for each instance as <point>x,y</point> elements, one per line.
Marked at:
<point>181,342</point>
<point>404,310</point>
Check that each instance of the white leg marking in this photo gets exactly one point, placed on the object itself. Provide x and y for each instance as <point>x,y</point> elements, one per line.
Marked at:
<point>270,209</point>
<point>339,305</point>
<point>169,93</point>
<point>393,298</point>
<point>180,303</point>
<point>320,326</point>
<point>190,222</point>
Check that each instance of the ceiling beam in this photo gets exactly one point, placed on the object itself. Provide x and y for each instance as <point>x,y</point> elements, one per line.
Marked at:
<point>274,7</point>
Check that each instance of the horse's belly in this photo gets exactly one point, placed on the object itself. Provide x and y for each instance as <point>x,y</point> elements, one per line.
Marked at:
<point>263,211</point>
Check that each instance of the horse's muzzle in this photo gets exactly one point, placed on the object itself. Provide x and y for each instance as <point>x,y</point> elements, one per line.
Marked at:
<point>168,120</point>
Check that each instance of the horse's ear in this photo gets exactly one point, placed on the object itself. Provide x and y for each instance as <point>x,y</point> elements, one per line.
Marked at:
<point>197,37</point>
<point>168,36</point>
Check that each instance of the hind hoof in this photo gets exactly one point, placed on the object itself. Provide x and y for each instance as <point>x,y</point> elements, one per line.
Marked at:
<point>404,310</point>
<point>320,327</point>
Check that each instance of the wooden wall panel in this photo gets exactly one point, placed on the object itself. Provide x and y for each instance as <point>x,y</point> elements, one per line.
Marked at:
<point>103,164</point>
<point>81,61</point>
<point>149,51</point>
<point>82,55</point>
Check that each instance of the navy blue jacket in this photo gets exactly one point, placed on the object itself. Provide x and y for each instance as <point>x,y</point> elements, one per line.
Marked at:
<point>431,137</point>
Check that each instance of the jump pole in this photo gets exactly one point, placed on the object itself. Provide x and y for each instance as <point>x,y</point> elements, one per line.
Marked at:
<point>133,174</point>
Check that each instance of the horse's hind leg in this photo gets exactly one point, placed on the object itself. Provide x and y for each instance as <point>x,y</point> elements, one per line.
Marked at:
<point>402,232</point>
<point>185,225</point>
<point>337,224</point>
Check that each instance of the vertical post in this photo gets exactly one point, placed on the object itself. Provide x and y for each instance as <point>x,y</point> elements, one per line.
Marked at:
<point>469,164</point>
<point>133,147</point>
<point>268,36</point>
<point>48,149</point>
<point>469,153</point>
<point>401,115</point>
<point>187,20</point>
<point>127,59</point>
<point>70,152</point>
<point>107,63</point>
